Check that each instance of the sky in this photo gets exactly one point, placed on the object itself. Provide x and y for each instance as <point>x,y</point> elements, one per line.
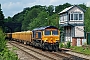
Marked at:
<point>12,7</point>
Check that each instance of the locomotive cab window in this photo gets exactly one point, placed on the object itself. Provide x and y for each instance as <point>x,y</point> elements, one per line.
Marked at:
<point>39,35</point>
<point>55,32</point>
<point>34,34</point>
<point>47,32</point>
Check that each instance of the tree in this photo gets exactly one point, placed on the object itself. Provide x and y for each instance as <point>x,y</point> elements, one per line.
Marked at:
<point>9,19</point>
<point>61,7</point>
<point>50,9</point>
<point>54,20</point>
<point>87,20</point>
<point>1,17</point>
<point>66,5</point>
<point>39,21</point>
<point>83,6</point>
<point>29,16</point>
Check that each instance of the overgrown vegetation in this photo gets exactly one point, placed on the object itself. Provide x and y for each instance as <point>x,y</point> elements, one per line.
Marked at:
<point>65,45</point>
<point>8,55</point>
<point>5,54</point>
<point>80,49</point>
<point>2,40</point>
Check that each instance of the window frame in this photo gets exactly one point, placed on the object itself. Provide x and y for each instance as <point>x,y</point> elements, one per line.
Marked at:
<point>81,16</point>
<point>39,35</point>
<point>34,34</point>
<point>45,32</point>
<point>55,31</point>
<point>75,19</point>
<point>71,16</point>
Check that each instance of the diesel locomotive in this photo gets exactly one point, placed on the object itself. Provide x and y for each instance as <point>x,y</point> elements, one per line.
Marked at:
<point>46,38</point>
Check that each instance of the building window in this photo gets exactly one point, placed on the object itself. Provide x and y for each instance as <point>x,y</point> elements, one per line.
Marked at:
<point>71,16</point>
<point>75,16</point>
<point>61,18</point>
<point>80,16</point>
<point>65,17</point>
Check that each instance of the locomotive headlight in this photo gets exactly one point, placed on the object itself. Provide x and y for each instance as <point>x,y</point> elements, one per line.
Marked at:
<point>45,40</point>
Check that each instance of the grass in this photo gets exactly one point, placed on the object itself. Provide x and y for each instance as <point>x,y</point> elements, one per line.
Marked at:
<point>83,50</point>
<point>80,49</point>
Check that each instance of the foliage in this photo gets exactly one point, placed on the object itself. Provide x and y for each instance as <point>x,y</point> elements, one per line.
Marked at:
<point>68,45</point>
<point>8,19</point>
<point>8,55</point>
<point>39,21</point>
<point>61,7</point>
<point>1,16</point>
<point>65,45</point>
<point>5,54</point>
<point>83,6</point>
<point>2,40</point>
<point>29,16</point>
<point>61,45</point>
<point>50,10</point>
<point>81,49</point>
<point>87,20</point>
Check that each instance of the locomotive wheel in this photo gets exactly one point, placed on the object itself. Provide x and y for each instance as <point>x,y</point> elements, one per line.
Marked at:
<point>43,47</point>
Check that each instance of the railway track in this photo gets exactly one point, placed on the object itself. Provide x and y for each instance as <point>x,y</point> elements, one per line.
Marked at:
<point>41,55</point>
<point>24,51</point>
<point>33,53</point>
<point>68,56</point>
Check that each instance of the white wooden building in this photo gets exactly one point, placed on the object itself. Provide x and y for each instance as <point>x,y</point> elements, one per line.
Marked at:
<point>72,20</point>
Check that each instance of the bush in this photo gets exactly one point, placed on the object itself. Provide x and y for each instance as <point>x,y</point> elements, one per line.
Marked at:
<point>61,45</point>
<point>8,55</point>
<point>68,44</point>
<point>2,40</point>
<point>5,54</point>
